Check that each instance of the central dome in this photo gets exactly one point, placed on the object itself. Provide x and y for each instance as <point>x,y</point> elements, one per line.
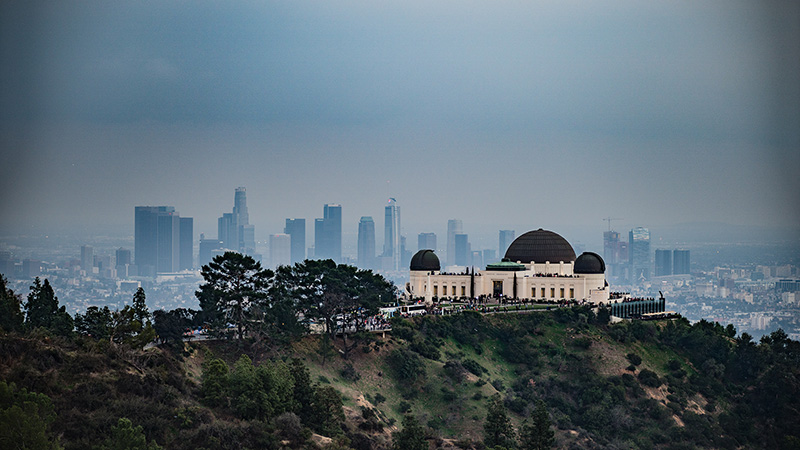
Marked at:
<point>540,246</point>
<point>425,260</point>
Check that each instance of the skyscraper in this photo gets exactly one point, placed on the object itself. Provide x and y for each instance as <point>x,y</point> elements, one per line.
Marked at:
<point>296,228</point>
<point>227,232</point>
<point>426,241</point>
<point>391,233</point>
<point>366,243</point>
<point>680,262</point>
<point>328,234</point>
<point>169,235</point>
<point>639,253</point>
<point>157,237</point>
<point>462,250</point>
<point>207,249</point>
<point>454,226</point>
<point>280,250</point>
<point>663,263</point>
<point>240,206</point>
<point>611,247</point>
<point>123,257</point>
<point>234,229</point>
<point>87,258</point>
<point>505,239</point>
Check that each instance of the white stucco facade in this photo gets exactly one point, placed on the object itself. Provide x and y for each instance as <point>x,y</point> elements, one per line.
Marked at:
<point>522,280</point>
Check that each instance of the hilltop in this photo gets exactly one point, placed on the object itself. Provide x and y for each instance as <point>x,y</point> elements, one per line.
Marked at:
<point>627,385</point>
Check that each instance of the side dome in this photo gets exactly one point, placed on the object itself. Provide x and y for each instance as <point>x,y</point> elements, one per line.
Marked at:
<point>540,246</point>
<point>425,260</point>
<point>589,262</point>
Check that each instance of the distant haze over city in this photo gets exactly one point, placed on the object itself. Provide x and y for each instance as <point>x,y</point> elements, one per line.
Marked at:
<point>681,117</point>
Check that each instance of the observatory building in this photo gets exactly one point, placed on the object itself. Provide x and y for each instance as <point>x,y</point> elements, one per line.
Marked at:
<point>538,265</point>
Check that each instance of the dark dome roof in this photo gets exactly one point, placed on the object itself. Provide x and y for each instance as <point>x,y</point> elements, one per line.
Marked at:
<point>589,262</point>
<point>425,260</point>
<point>540,246</point>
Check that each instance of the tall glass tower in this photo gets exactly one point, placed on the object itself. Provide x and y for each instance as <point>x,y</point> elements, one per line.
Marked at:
<point>391,233</point>
<point>506,237</point>
<point>639,253</point>
<point>234,229</point>
<point>366,243</point>
<point>328,234</point>
<point>296,228</point>
<point>454,227</point>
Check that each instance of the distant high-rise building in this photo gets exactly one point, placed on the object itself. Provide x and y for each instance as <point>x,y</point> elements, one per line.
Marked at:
<point>87,258</point>
<point>234,229</point>
<point>157,239</point>
<point>454,226</point>
<point>208,248</point>
<point>122,256</point>
<point>506,238</point>
<point>280,250</point>
<point>462,250</point>
<point>247,239</point>
<point>476,258</point>
<point>6,265</point>
<point>366,243</point>
<point>391,233</point>
<point>611,247</point>
<point>31,268</point>
<point>488,257</point>
<point>186,258</point>
<point>227,232</point>
<point>296,228</point>
<point>328,234</point>
<point>680,262</point>
<point>240,206</point>
<point>639,253</point>
<point>426,241</point>
<point>122,262</point>
<point>663,265</point>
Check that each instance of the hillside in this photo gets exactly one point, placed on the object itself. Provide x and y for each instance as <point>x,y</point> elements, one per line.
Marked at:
<point>628,385</point>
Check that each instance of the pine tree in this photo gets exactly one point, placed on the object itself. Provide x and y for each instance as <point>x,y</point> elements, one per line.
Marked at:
<point>411,437</point>
<point>140,307</point>
<point>11,317</point>
<point>537,435</point>
<point>498,431</point>
<point>124,436</point>
<point>42,310</point>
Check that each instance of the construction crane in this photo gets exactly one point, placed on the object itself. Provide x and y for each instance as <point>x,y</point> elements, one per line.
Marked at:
<point>609,219</point>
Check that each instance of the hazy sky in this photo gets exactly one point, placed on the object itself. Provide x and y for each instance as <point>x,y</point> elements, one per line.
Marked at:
<point>499,113</point>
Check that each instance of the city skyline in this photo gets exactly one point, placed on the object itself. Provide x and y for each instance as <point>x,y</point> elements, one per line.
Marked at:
<point>690,116</point>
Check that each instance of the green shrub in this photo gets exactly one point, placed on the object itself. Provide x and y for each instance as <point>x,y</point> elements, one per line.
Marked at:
<point>350,373</point>
<point>649,378</point>
<point>634,358</point>
<point>474,367</point>
<point>406,365</point>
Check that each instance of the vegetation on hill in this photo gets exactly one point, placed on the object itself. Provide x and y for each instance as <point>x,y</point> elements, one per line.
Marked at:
<point>564,378</point>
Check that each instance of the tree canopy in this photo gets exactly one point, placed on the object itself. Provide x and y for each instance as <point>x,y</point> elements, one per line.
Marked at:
<point>42,311</point>
<point>235,286</point>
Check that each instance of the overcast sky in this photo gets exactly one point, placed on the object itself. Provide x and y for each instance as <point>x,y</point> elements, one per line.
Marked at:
<point>502,113</point>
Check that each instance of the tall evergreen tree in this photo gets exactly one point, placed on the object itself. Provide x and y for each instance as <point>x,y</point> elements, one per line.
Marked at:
<point>234,284</point>
<point>42,310</point>
<point>411,437</point>
<point>95,322</point>
<point>141,313</point>
<point>538,434</point>
<point>498,431</point>
<point>11,317</point>
<point>124,436</point>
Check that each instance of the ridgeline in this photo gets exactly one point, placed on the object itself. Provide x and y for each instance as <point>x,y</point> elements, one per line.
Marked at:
<point>564,378</point>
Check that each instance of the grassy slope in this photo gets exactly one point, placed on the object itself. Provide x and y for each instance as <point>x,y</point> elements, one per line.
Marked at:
<point>452,409</point>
